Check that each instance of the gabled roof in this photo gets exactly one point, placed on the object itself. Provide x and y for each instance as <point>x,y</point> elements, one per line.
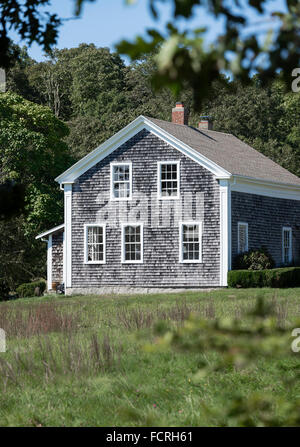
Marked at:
<point>222,154</point>
<point>53,230</point>
<point>230,153</point>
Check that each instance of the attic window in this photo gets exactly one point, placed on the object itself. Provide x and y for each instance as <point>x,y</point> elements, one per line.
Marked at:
<point>121,181</point>
<point>242,237</point>
<point>168,180</point>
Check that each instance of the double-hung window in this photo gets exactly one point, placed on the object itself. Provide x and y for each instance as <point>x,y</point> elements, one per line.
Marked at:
<point>94,250</point>
<point>190,247</point>
<point>287,251</point>
<point>121,181</point>
<point>168,180</point>
<point>132,243</point>
<point>242,237</point>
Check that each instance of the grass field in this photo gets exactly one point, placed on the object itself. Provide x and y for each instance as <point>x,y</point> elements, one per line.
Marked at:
<point>79,361</point>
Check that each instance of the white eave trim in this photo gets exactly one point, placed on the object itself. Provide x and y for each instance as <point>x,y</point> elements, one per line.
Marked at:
<point>267,188</point>
<point>53,230</point>
<point>266,182</point>
<point>140,123</point>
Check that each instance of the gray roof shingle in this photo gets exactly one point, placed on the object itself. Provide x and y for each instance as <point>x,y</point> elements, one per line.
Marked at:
<point>229,153</point>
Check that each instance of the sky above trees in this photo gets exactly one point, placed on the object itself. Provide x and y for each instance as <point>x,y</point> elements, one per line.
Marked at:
<point>106,22</point>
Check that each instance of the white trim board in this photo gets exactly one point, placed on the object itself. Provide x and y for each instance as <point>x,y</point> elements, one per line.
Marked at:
<point>225,231</point>
<point>49,263</point>
<point>68,235</point>
<point>264,188</point>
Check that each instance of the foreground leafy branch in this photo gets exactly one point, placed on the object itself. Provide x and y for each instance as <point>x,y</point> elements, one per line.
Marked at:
<point>183,59</point>
<point>240,344</point>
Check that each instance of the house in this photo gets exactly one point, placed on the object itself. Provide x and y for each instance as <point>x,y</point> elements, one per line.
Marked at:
<point>163,205</point>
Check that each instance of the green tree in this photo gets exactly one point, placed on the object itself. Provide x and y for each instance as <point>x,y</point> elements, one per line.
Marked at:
<point>52,80</point>
<point>97,82</point>
<point>17,75</point>
<point>32,155</point>
<point>97,93</point>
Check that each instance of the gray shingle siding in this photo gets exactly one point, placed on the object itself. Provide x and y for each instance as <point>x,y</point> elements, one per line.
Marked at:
<point>266,216</point>
<point>161,268</point>
<point>57,257</point>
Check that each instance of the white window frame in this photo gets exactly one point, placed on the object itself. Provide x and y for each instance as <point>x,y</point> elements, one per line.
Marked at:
<point>289,229</point>
<point>200,226</point>
<point>131,224</point>
<point>159,165</point>
<point>86,226</point>
<point>242,224</point>
<point>112,165</point>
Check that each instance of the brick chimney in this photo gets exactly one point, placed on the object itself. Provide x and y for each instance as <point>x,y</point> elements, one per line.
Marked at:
<point>205,123</point>
<point>180,114</point>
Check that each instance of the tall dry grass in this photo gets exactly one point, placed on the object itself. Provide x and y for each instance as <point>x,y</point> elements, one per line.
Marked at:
<point>37,319</point>
<point>139,317</point>
<point>80,340</point>
<point>49,359</point>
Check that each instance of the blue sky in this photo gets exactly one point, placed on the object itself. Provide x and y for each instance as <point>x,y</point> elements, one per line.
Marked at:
<point>105,22</point>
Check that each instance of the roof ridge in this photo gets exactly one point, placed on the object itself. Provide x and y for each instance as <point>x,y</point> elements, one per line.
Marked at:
<point>188,126</point>
<point>215,131</point>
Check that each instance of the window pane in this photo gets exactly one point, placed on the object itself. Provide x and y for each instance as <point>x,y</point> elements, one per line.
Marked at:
<point>242,238</point>
<point>191,243</point>
<point>121,181</point>
<point>90,253</point>
<point>169,180</point>
<point>132,243</point>
<point>95,244</point>
<point>287,246</point>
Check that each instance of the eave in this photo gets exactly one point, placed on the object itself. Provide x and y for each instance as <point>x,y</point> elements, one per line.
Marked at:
<point>51,231</point>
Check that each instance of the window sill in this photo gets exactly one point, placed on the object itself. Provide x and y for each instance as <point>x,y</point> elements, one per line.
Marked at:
<point>132,262</point>
<point>191,262</point>
<point>169,198</point>
<point>94,262</point>
<point>123,199</point>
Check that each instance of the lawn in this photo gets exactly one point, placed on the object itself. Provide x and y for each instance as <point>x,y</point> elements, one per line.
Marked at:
<point>80,360</point>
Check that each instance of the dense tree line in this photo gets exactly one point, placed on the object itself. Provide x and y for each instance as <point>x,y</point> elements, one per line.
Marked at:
<point>56,111</point>
<point>33,153</point>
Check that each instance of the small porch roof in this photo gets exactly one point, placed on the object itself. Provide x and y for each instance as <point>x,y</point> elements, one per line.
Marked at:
<point>53,230</point>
